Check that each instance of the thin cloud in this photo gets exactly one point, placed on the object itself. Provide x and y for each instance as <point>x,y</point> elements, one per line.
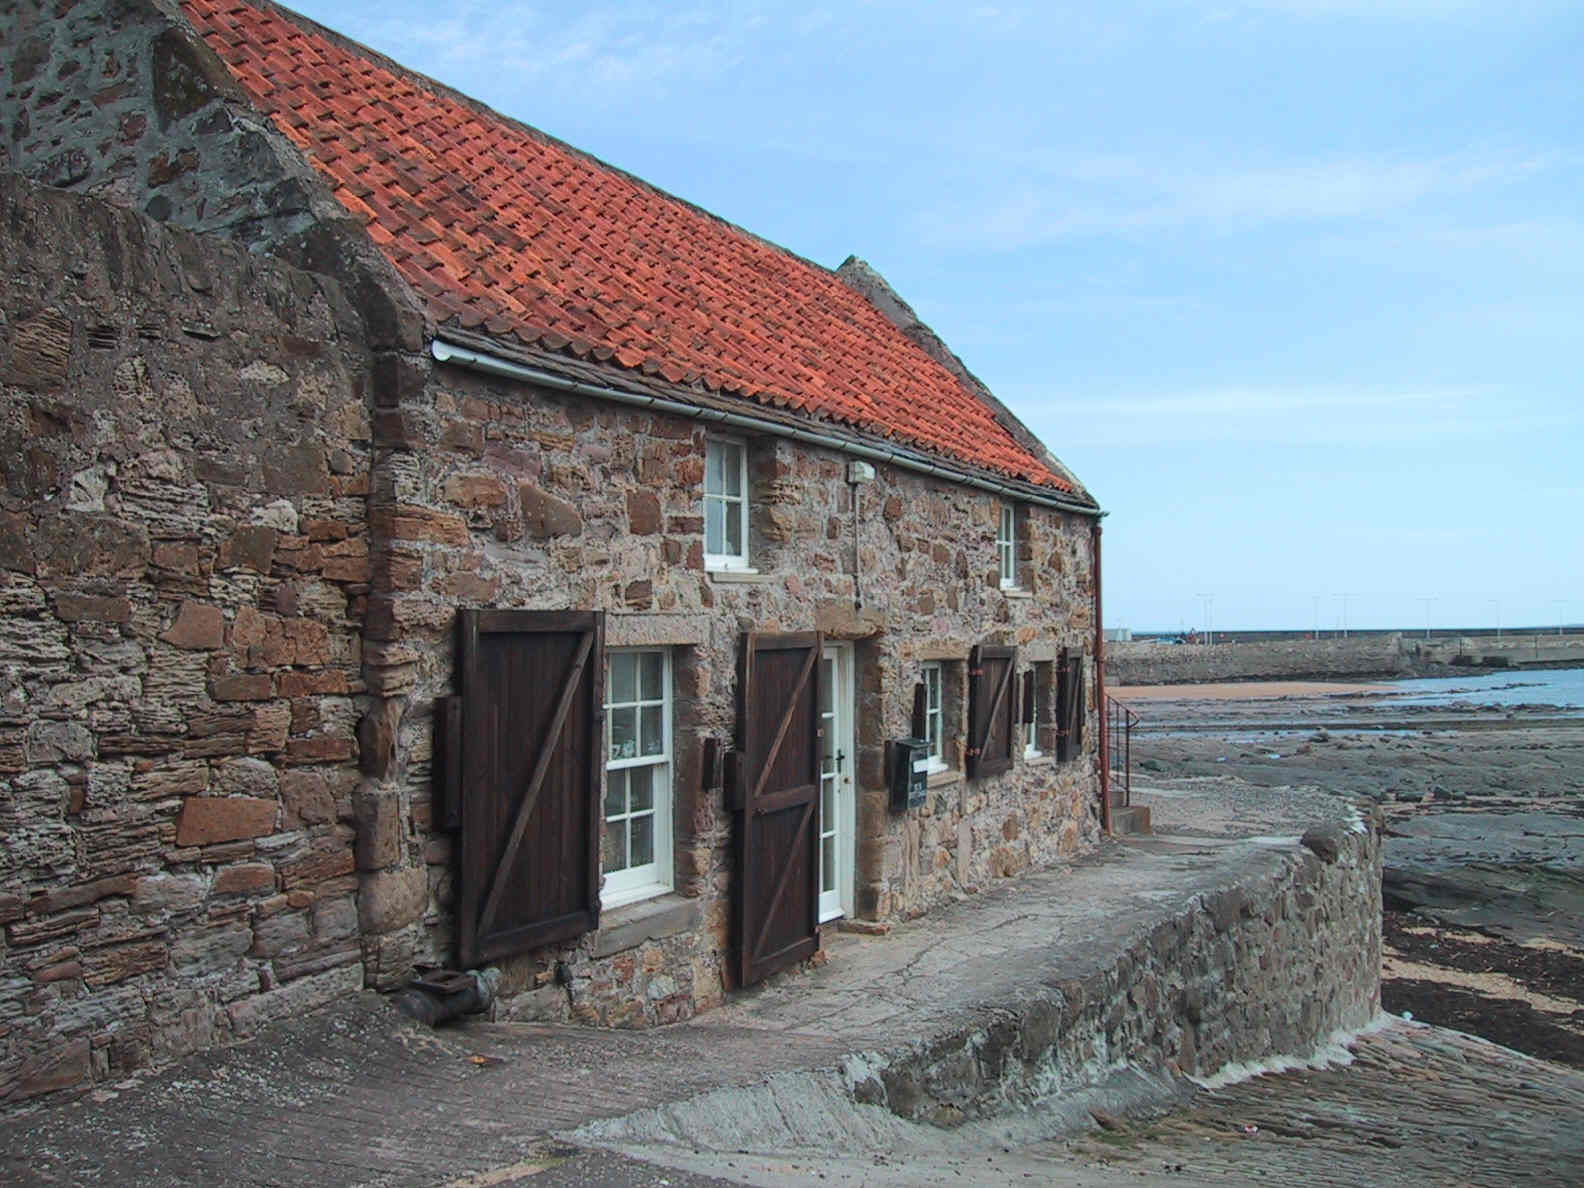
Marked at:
<point>1325,415</point>
<point>610,51</point>
<point>1112,195</point>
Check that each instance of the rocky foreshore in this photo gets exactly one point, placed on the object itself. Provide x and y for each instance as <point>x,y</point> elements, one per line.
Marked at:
<point>1484,870</point>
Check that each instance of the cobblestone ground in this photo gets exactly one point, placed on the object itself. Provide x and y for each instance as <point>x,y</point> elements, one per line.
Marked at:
<point>1419,1106</point>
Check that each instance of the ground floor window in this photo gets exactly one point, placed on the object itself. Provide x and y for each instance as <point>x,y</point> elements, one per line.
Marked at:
<point>635,851</point>
<point>934,714</point>
<point>1037,710</point>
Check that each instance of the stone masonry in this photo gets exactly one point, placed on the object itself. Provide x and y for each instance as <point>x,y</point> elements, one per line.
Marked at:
<point>539,500</point>
<point>242,508</point>
<point>183,568</point>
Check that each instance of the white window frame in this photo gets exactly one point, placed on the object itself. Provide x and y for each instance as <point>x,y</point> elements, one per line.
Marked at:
<point>653,878</point>
<point>734,506</point>
<point>1006,545</point>
<point>934,677</point>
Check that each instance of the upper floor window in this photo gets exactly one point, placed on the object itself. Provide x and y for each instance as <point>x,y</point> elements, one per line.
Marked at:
<point>1006,546</point>
<point>725,504</point>
<point>635,852</point>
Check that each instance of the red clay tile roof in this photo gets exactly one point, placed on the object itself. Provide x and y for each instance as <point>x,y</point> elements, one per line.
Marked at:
<point>505,231</point>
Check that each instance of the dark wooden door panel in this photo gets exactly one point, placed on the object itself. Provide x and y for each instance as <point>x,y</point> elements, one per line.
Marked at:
<point>531,766</point>
<point>777,916</point>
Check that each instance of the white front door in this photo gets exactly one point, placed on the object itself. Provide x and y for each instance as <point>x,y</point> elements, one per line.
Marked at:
<point>838,805</point>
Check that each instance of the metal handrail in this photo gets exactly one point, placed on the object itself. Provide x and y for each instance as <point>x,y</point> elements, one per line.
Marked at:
<point>1119,737</point>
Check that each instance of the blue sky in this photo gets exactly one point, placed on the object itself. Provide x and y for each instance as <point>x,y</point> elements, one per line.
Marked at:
<point>1296,287</point>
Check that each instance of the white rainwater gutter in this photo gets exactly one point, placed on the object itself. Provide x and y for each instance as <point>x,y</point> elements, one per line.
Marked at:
<point>450,352</point>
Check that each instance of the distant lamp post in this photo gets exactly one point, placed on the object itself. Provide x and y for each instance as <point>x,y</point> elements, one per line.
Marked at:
<point>1427,602</point>
<point>1496,604</point>
<point>1209,616</point>
<point>1561,605</point>
<point>1344,598</point>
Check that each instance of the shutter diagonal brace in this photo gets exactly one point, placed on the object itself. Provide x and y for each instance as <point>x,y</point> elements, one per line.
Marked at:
<point>536,784</point>
<point>786,721</point>
<point>786,874</point>
<point>995,707</point>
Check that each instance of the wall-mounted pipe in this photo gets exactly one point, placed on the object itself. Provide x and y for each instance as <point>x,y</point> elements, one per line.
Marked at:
<point>1102,732</point>
<point>450,352</point>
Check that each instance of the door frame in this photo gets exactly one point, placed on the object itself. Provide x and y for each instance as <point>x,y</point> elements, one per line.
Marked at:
<point>843,656</point>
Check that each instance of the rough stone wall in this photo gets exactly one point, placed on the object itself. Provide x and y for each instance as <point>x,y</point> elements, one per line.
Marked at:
<point>1271,965</point>
<point>119,100</point>
<point>511,497</point>
<point>1149,663</point>
<point>183,567</point>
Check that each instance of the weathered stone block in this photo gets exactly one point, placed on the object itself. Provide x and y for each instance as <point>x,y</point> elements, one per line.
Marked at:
<point>167,893</point>
<point>197,626</point>
<point>390,899</point>
<point>475,490</point>
<point>242,687</point>
<point>59,1067</point>
<point>57,742</point>
<point>248,1015</point>
<point>307,797</point>
<point>41,351</point>
<point>78,544</point>
<point>246,878</point>
<point>316,868</point>
<point>545,516</point>
<point>74,608</point>
<point>643,513</point>
<point>251,546</point>
<point>105,967</point>
<point>285,932</point>
<point>208,819</point>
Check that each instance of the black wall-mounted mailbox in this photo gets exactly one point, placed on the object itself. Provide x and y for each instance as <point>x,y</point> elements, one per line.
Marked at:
<point>909,773</point>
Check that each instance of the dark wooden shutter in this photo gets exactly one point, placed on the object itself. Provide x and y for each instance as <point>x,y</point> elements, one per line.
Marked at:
<point>531,763</point>
<point>991,709</point>
<point>1075,730</point>
<point>1069,707</point>
<point>778,801</point>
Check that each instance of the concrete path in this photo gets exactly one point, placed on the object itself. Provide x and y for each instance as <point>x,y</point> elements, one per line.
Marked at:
<point>356,1094</point>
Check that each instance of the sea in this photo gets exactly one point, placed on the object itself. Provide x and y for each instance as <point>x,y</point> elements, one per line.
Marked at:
<point>1562,687</point>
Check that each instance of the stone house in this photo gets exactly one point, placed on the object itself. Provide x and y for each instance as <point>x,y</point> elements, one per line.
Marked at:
<point>423,545</point>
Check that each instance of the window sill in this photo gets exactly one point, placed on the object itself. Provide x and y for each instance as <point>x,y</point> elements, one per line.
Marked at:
<point>628,926</point>
<point>1017,592</point>
<point>944,778</point>
<point>747,577</point>
<point>1040,759</point>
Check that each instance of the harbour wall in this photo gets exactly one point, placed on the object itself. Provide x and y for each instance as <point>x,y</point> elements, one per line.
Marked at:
<point>1392,654</point>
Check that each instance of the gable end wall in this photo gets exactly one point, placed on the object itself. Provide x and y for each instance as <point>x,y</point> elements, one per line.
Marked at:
<point>184,562</point>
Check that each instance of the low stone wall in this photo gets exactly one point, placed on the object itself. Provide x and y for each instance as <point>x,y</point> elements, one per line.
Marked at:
<point>1141,663</point>
<point>1269,965</point>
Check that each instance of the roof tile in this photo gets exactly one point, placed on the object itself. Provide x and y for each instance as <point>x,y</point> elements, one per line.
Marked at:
<point>499,226</point>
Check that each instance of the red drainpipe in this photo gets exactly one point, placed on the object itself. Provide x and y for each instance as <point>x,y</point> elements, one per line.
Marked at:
<point>1100,694</point>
